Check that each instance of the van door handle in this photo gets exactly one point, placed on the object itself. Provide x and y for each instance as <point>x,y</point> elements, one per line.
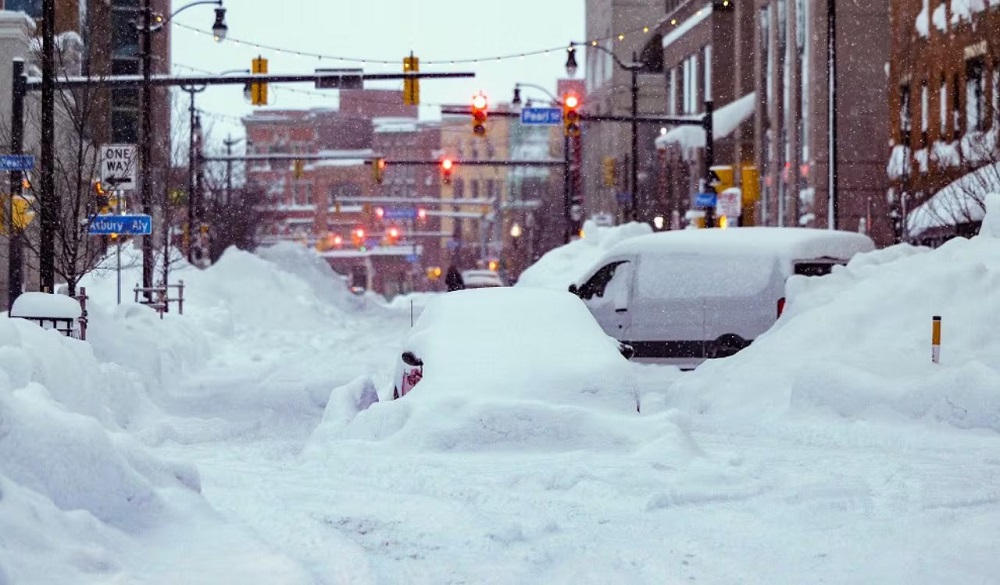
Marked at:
<point>621,310</point>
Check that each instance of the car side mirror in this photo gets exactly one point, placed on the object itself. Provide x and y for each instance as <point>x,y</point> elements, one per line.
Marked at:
<point>573,289</point>
<point>626,350</point>
<point>411,360</point>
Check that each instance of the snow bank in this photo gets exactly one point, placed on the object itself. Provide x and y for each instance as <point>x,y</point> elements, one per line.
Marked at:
<point>504,368</point>
<point>566,264</point>
<point>856,344</point>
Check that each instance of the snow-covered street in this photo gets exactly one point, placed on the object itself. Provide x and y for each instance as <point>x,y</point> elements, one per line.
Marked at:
<point>225,445</point>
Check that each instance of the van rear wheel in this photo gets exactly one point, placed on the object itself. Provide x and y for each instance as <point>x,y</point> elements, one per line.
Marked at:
<point>725,346</point>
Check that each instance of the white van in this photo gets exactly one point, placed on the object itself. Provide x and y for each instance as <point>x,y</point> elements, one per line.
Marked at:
<point>681,297</point>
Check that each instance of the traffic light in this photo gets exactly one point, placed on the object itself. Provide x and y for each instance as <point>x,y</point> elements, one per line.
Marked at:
<point>610,171</point>
<point>358,237</point>
<point>392,236</point>
<point>571,115</point>
<point>446,166</point>
<point>298,168</point>
<point>379,213</point>
<point>421,214</point>
<point>102,198</point>
<point>479,114</point>
<point>258,90</point>
<point>411,85</point>
<point>378,169</point>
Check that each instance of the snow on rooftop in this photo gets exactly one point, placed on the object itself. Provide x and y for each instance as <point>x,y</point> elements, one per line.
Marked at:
<point>784,242</point>
<point>725,120</point>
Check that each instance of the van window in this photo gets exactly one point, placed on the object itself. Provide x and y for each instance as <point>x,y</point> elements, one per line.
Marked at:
<point>819,267</point>
<point>696,276</point>
<point>595,287</point>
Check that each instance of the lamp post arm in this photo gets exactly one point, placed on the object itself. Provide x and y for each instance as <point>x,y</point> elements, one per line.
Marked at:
<point>619,62</point>
<point>159,25</point>
<point>541,89</point>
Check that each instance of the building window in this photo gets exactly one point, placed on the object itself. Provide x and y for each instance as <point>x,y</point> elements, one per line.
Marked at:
<point>924,108</point>
<point>308,188</point>
<point>474,189</point>
<point>975,96</point>
<point>672,92</point>
<point>943,106</point>
<point>459,188</point>
<point>707,56</point>
<point>905,117</point>
<point>32,8</point>
<point>956,107</point>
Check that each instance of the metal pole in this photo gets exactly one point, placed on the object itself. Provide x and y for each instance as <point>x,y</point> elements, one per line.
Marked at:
<point>709,122</point>
<point>49,200</point>
<point>566,190</point>
<point>229,169</point>
<point>191,172</point>
<point>118,252</point>
<point>831,77</point>
<point>199,186</point>
<point>634,171</point>
<point>15,275</point>
<point>146,138</point>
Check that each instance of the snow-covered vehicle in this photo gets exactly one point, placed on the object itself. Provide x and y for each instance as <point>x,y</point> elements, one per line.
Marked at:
<point>533,343</point>
<point>681,297</point>
<point>481,279</point>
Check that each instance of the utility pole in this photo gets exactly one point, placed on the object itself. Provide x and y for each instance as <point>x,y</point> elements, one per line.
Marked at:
<point>192,165</point>
<point>230,143</point>
<point>15,267</point>
<point>146,146</point>
<point>634,169</point>
<point>831,73</point>
<point>709,158</point>
<point>49,200</point>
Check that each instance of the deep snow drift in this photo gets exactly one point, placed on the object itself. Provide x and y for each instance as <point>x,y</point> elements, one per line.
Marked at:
<point>230,444</point>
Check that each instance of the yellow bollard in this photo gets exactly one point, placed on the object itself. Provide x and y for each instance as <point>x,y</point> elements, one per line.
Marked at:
<point>936,339</point>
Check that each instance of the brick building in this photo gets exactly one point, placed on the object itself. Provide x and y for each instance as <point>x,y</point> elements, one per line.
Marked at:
<point>328,203</point>
<point>944,99</point>
<point>624,28</point>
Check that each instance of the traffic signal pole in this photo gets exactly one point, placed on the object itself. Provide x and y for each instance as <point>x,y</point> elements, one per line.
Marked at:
<point>15,257</point>
<point>49,83</point>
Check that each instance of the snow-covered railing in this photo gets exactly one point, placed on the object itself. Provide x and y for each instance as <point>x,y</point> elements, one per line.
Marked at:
<point>65,314</point>
<point>158,297</point>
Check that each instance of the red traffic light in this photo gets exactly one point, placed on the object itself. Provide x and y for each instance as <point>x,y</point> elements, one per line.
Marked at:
<point>337,240</point>
<point>379,212</point>
<point>446,164</point>
<point>421,213</point>
<point>393,233</point>
<point>479,102</point>
<point>571,101</point>
<point>359,234</point>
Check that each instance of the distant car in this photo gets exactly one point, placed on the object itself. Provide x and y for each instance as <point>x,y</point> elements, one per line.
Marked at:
<point>481,279</point>
<point>510,342</point>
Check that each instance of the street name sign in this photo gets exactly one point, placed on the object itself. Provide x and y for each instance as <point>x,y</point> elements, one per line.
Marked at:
<point>400,213</point>
<point>17,162</point>
<point>126,225</point>
<point>120,166</point>
<point>541,116</point>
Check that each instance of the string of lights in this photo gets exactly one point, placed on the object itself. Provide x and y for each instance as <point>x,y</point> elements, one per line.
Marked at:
<point>386,62</point>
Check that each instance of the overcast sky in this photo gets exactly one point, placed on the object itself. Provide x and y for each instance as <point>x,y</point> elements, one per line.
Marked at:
<point>380,30</point>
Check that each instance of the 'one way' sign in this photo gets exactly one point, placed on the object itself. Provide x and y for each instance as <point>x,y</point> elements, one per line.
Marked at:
<point>119,166</point>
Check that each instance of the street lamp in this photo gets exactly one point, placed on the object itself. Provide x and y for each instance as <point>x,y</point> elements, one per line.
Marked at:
<point>147,27</point>
<point>516,102</point>
<point>634,67</point>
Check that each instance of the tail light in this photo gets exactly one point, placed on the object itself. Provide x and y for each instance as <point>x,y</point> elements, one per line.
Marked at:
<point>781,306</point>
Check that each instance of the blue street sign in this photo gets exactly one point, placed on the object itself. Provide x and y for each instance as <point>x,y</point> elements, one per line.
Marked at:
<point>623,198</point>
<point>399,213</point>
<point>705,199</point>
<point>413,258</point>
<point>541,116</point>
<point>127,225</point>
<point>17,162</point>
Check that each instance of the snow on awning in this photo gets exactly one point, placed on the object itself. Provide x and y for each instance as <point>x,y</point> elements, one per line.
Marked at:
<point>959,202</point>
<point>725,120</point>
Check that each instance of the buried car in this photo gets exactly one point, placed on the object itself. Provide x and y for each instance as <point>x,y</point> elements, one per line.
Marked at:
<point>530,344</point>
